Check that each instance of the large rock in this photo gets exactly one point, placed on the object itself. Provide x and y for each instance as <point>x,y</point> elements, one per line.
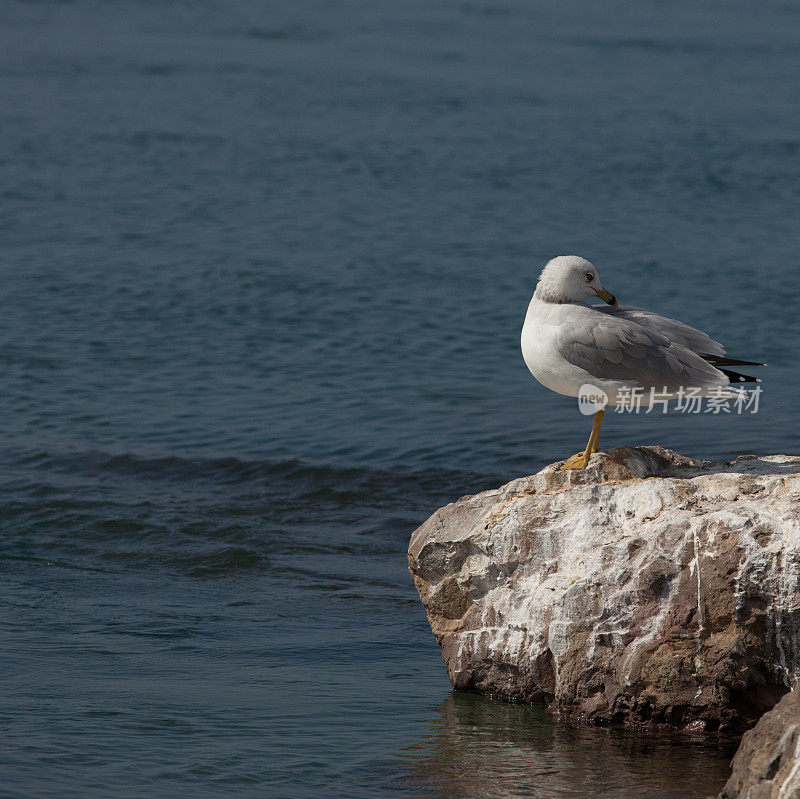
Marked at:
<point>647,588</point>
<point>767,765</point>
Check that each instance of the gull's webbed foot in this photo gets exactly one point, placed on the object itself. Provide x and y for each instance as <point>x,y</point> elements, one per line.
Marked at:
<point>578,461</point>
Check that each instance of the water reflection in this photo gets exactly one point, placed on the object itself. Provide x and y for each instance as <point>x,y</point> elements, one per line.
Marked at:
<point>481,747</point>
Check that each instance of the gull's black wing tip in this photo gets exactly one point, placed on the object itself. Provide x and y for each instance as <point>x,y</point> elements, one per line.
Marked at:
<point>718,360</point>
<point>738,377</point>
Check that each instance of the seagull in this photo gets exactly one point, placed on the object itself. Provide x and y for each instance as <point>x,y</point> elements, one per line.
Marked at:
<point>570,346</point>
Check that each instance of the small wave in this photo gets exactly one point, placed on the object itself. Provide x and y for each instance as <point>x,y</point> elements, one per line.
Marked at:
<point>340,483</point>
<point>152,138</point>
<point>686,46</point>
<point>289,33</point>
<point>223,562</point>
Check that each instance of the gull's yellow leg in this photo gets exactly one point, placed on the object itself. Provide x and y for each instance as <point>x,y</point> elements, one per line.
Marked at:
<point>581,460</point>
<point>594,438</point>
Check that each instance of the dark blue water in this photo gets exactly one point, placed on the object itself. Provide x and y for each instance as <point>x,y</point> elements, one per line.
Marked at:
<point>264,268</point>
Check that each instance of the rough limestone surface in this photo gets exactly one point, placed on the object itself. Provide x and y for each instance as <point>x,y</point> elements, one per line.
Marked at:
<point>767,765</point>
<point>648,587</point>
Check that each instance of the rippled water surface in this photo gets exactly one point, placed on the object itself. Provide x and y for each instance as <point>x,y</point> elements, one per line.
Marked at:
<point>264,268</point>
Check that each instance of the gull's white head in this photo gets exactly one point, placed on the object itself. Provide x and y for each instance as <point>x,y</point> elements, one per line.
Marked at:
<point>570,278</point>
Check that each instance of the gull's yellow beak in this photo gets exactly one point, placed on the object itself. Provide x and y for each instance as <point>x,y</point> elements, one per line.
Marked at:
<point>607,296</point>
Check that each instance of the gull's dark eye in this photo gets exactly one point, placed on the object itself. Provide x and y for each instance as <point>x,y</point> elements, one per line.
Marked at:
<point>589,277</point>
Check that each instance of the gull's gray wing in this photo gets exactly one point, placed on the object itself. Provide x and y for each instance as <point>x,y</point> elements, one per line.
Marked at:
<point>611,347</point>
<point>689,337</point>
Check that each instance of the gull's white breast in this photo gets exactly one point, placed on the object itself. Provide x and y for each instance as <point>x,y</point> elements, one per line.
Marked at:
<point>540,349</point>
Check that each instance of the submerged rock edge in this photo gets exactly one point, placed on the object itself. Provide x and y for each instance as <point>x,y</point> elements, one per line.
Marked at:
<point>767,764</point>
